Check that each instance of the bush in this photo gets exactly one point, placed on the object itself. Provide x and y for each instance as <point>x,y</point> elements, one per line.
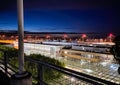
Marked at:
<point>8,51</point>
<point>48,73</point>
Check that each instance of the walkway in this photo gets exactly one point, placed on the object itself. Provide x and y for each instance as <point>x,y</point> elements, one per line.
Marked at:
<point>4,79</point>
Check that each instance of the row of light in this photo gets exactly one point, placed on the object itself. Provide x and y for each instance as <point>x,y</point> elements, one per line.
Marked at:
<point>65,36</point>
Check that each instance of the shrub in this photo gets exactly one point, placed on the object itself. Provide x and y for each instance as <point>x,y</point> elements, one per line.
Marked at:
<point>48,73</point>
<point>8,51</point>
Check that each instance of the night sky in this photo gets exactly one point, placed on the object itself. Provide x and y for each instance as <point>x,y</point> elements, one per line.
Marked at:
<point>62,15</point>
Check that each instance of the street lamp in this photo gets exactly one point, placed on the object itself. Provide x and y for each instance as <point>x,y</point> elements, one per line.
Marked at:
<point>110,36</point>
<point>84,36</point>
<point>65,36</point>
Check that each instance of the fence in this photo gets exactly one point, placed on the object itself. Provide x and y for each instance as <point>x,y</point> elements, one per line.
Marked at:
<point>44,73</point>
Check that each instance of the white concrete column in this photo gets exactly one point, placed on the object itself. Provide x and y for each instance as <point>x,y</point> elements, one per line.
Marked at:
<point>21,35</point>
<point>22,77</point>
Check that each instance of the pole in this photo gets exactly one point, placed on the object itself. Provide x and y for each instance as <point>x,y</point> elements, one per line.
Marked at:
<point>21,35</point>
<point>22,77</point>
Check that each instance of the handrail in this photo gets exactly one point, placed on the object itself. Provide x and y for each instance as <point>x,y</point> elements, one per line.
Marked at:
<point>66,71</point>
<point>81,76</point>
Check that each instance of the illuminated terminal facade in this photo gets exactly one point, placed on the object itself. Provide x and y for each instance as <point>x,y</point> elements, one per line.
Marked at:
<point>88,59</point>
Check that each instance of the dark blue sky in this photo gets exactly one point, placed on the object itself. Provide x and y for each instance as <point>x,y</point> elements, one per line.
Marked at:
<point>62,15</point>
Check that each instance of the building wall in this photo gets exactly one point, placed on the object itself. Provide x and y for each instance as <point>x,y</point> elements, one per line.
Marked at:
<point>47,50</point>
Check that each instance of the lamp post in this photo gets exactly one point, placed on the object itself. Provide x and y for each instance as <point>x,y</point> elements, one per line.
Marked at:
<point>84,36</point>
<point>65,36</point>
<point>21,35</point>
<point>111,37</point>
<point>22,77</point>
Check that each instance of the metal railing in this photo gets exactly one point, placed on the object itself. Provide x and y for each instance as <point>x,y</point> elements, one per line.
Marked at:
<point>44,73</point>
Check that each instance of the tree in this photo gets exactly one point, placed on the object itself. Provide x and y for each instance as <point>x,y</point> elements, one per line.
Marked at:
<point>116,50</point>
